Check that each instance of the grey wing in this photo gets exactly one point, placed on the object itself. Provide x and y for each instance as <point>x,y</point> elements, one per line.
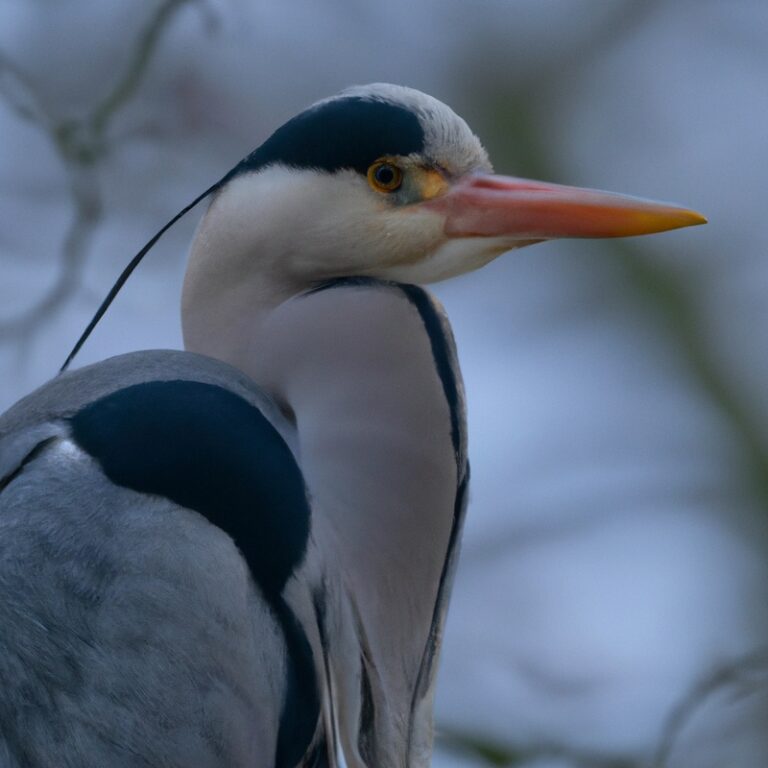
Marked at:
<point>131,630</point>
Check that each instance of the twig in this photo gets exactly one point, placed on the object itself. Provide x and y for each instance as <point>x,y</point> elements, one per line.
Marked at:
<point>87,214</point>
<point>737,673</point>
<point>127,86</point>
<point>19,95</point>
<point>505,757</point>
<point>82,146</point>
<point>622,21</point>
<point>733,674</point>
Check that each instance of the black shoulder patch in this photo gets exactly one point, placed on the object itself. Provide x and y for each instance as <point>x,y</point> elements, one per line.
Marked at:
<point>344,133</point>
<point>209,450</point>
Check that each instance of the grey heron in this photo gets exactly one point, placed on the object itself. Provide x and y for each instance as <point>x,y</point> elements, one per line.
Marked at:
<point>241,555</point>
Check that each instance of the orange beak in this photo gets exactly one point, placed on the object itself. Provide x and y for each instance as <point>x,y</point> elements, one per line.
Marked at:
<point>487,205</point>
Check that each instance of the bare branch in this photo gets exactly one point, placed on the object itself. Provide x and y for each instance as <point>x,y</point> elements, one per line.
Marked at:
<point>746,674</point>
<point>737,673</point>
<point>82,146</point>
<point>129,83</point>
<point>87,214</point>
<point>493,754</point>
<point>623,21</point>
<point>18,93</point>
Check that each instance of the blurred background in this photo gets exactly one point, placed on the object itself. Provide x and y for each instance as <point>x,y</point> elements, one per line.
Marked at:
<point>611,606</point>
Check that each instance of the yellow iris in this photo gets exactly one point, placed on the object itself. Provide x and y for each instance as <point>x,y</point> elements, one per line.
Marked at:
<point>385,176</point>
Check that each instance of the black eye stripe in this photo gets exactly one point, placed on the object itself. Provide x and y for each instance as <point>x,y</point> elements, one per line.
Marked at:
<point>345,133</point>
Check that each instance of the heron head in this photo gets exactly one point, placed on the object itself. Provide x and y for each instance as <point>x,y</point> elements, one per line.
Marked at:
<point>380,181</point>
<point>385,181</point>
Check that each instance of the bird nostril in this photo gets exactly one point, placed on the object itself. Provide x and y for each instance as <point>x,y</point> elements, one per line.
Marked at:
<point>505,184</point>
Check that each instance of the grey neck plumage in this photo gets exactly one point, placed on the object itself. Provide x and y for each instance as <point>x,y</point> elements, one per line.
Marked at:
<point>366,374</point>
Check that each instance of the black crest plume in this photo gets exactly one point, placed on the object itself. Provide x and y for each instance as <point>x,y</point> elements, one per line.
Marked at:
<point>126,273</point>
<point>345,133</point>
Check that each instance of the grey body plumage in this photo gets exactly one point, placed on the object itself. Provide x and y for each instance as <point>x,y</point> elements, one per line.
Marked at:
<point>132,633</point>
<point>142,617</point>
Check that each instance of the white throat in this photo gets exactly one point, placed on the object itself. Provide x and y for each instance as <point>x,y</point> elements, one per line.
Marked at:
<point>271,234</point>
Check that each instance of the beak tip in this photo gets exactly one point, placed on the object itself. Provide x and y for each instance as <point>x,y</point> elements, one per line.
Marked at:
<point>669,219</point>
<point>694,219</point>
<point>490,205</point>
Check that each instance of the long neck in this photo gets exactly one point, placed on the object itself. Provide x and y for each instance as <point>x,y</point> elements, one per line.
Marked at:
<point>368,372</point>
<point>228,291</point>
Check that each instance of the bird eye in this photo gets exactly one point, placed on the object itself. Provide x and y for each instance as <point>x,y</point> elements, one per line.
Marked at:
<point>384,176</point>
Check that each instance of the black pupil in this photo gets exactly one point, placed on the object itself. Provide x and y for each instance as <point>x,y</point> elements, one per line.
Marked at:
<point>385,175</point>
